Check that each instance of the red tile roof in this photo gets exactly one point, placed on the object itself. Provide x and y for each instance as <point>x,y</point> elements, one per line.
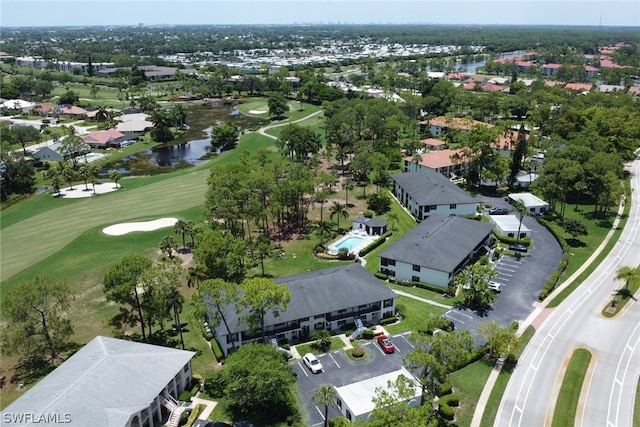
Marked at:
<point>579,86</point>
<point>438,159</point>
<point>432,142</point>
<point>455,123</point>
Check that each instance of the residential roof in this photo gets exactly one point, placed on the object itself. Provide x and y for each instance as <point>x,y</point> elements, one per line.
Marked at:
<point>492,88</point>
<point>73,110</point>
<point>371,222</point>
<point>439,242</point>
<point>579,86</point>
<point>432,142</point>
<point>508,223</point>
<point>102,137</point>
<point>103,383</point>
<point>319,292</point>
<point>359,396</point>
<point>528,199</point>
<point>552,66</point>
<point>439,158</point>
<point>455,123</point>
<point>428,187</point>
<point>134,126</point>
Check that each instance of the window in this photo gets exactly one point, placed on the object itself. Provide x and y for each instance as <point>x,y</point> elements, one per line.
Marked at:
<point>348,415</point>
<point>392,262</point>
<point>415,279</point>
<point>391,273</point>
<point>344,310</point>
<point>387,303</point>
<point>318,316</point>
<point>433,207</point>
<point>452,206</point>
<point>416,267</point>
<point>342,322</point>
<point>362,307</point>
<point>384,261</point>
<point>186,367</point>
<point>339,402</point>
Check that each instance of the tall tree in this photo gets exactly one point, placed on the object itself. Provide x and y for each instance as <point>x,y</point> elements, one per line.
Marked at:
<point>221,256</point>
<point>277,105</point>
<point>325,395</point>
<point>627,274</point>
<point>181,227</point>
<point>168,244</point>
<point>37,313</point>
<point>211,301</point>
<point>501,340</point>
<point>474,280</point>
<point>338,210</point>
<point>24,134</point>
<point>115,175</point>
<point>261,296</point>
<point>121,285</point>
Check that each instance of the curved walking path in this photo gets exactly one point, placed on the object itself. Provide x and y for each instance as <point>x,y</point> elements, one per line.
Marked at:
<point>263,130</point>
<point>426,301</point>
<point>538,315</point>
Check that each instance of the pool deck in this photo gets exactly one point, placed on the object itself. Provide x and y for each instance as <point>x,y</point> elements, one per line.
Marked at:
<point>366,241</point>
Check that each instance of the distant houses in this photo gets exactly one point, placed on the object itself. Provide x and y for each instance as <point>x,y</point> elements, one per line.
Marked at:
<point>435,250</point>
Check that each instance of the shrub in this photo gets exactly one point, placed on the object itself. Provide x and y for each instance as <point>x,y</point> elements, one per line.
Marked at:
<point>446,411</point>
<point>444,389</point>
<point>368,334</point>
<point>214,386</point>
<point>185,396</point>
<point>387,321</point>
<point>217,351</point>
<point>194,415</point>
<point>357,352</point>
<point>380,240</point>
<point>421,285</point>
<point>368,214</point>
<point>184,416</point>
<point>401,309</point>
<point>380,276</point>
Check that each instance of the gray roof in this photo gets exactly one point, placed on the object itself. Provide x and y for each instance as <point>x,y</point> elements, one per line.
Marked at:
<point>319,292</point>
<point>371,222</point>
<point>439,242</point>
<point>428,187</point>
<point>103,383</point>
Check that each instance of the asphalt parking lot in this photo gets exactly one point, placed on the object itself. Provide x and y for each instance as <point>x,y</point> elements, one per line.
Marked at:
<point>522,279</point>
<point>339,370</point>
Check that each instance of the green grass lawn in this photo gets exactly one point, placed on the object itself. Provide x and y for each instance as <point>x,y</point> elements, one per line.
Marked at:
<point>564,413</point>
<point>336,344</point>
<point>415,313</point>
<point>468,383</point>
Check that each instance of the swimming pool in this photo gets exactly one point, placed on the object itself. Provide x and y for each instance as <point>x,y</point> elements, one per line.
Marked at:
<point>352,242</point>
<point>348,242</point>
<point>89,157</point>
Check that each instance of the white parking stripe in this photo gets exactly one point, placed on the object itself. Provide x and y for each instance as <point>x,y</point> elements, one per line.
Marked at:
<point>304,371</point>
<point>334,360</point>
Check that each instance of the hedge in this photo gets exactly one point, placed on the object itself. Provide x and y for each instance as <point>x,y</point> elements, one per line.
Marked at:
<point>368,334</point>
<point>555,277</point>
<point>387,321</point>
<point>185,396</point>
<point>217,351</point>
<point>421,285</point>
<point>526,241</point>
<point>194,415</point>
<point>380,240</point>
<point>446,411</point>
<point>444,389</point>
<point>380,276</point>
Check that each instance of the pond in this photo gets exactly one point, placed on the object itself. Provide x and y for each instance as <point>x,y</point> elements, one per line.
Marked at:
<point>193,152</point>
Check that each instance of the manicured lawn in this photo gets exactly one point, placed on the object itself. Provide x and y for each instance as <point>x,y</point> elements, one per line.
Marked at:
<point>415,313</point>
<point>567,403</point>
<point>468,383</point>
<point>336,344</point>
<point>427,294</point>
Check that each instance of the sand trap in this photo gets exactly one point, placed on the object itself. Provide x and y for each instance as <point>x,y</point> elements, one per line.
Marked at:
<point>128,227</point>
<point>257,112</point>
<point>80,191</point>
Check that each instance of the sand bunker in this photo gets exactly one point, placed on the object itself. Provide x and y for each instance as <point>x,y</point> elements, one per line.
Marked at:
<point>128,227</point>
<point>257,112</point>
<point>81,191</point>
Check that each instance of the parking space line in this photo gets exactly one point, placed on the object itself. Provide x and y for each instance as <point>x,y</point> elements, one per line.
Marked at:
<point>460,313</point>
<point>304,371</point>
<point>319,411</point>
<point>334,360</point>
<point>405,338</point>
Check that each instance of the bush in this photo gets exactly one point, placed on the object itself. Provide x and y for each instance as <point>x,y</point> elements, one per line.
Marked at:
<point>357,352</point>
<point>185,396</point>
<point>452,400</point>
<point>184,416</point>
<point>526,241</point>
<point>421,285</point>
<point>446,411</point>
<point>368,334</point>
<point>368,214</point>
<point>214,386</point>
<point>217,351</point>
<point>380,240</point>
<point>380,276</point>
<point>444,389</point>
<point>401,309</point>
<point>387,321</point>
<point>194,415</point>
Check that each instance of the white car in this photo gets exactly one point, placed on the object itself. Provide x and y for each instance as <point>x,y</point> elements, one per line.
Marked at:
<point>312,363</point>
<point>495,286</point>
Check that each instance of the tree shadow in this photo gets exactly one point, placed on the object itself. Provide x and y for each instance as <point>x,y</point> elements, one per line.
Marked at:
<point>626,293</point>
<point>31,369</point>
<point>575,243</point>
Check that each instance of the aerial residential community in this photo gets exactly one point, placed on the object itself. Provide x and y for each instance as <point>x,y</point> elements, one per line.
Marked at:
<point>319,224</point>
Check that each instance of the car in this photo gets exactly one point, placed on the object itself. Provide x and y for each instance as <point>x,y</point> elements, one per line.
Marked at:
<point>498,211</point>
<point>386,344</point>
<point>495,286</point>
<point>518,248</point>
<point>312,363</point>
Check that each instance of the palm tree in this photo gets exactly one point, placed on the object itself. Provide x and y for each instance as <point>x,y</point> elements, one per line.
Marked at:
<point>393,219</point>
<point>115,175</point>
<point>192,230</point>
<point>101,113</point>
<point>176,302</point>
<point>323,228</point>
<point>522,211</point>
<point>167,244</point>
<point>417,158</point>
<point>194,276</point>
<point>56,183</point>
<point>179,114</point>
<point>325,395</point>
<point>340,210</point>
<point>627,273</point>
<point>348,185</point>
<point>69,174</point>
<point>85,173</point>
<point>181,227</point>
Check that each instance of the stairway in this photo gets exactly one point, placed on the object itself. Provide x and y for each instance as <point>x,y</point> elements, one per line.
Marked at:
<point>360,328</point>
<point>176,411</point>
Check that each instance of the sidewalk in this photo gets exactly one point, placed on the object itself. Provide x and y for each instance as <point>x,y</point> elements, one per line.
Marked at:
<point>539,314</point>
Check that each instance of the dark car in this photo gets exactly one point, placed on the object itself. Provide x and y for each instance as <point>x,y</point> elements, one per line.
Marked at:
<point>498,211</point>
<point>386,344</point>
<point>518,248</point>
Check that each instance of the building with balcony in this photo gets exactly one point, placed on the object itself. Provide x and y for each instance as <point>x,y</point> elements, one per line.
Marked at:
<point>108,383</point>
<point>326,299</point>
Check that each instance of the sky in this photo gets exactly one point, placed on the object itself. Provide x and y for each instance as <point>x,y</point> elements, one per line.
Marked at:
<point>26,13</point>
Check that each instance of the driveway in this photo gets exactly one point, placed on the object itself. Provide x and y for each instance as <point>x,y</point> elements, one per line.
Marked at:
<point>522,279</point>
<point>339,370</point>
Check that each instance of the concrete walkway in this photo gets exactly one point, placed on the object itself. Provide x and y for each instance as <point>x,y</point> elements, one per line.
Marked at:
<point>538,315</point>
<point>210,406</point>
<point>427,301</point>
<point>263,130</point>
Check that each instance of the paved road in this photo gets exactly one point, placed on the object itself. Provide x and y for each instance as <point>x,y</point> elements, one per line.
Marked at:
<point>609,390</point>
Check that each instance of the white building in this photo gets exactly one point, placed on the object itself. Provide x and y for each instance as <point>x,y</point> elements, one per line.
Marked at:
<point>534,204</point>
<point>108,383</point>
<point>355,400</point>
<point>435,250</point>
<point>507,226</point>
